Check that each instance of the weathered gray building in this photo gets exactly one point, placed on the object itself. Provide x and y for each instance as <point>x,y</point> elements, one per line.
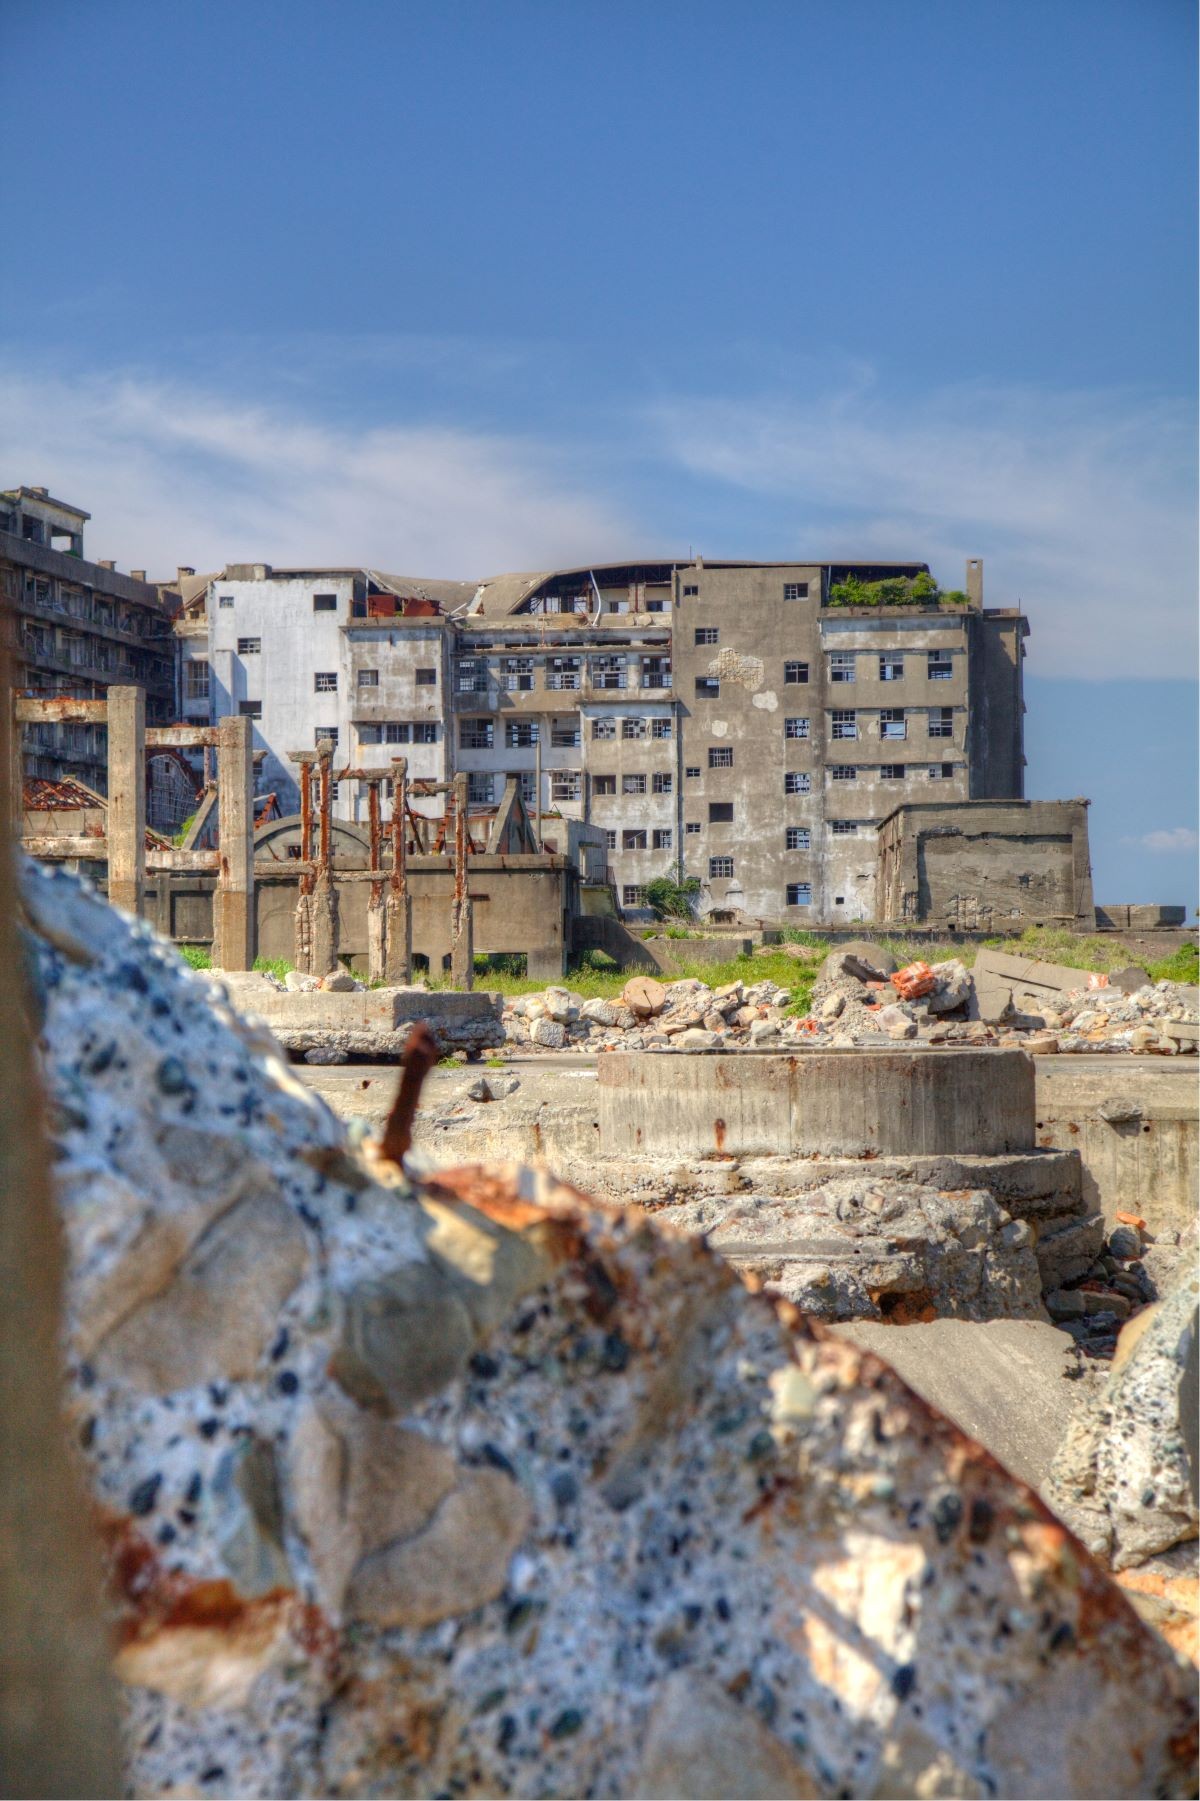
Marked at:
<point>73,627</point>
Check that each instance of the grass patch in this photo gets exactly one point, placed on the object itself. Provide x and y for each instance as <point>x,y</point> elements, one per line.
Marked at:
<point>1183,965</point>
<point>195,956</point>
<point>273,966</point>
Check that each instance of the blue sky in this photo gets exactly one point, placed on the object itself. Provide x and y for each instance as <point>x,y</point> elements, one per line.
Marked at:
<point>491,285</point>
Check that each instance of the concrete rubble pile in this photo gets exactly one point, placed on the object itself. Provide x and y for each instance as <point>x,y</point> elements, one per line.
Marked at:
<point>478,1487</point>
<point>338,1019</point>
<point>854,1002</point>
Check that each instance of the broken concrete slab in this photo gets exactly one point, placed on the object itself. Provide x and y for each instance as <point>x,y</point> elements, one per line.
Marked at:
<point>1005,984</point>
<point>1012,1385</point>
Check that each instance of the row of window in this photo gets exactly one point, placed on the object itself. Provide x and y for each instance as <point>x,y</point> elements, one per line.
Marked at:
<point>661,782</point>
<point>843,665</point>
<point>893,722</point>
<point>799,894</point>
<point>516,674</point>
<point>791,591</point>
<point>890,772</point>
<point>321,603</point>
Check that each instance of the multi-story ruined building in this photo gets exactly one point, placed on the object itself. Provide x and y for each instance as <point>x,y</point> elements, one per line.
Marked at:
<point>750,723</point>
<point>73,627</point>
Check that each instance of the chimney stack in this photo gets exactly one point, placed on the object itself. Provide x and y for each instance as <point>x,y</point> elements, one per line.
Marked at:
<point>181,570</point>
<point>104,565</point>
<point>975,581</point>
<point>137,575</point>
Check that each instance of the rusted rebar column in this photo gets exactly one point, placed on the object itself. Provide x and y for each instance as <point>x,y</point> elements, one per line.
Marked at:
<point>398,964</point>
<point>125,825</point>
<point>233,902</point>
<point>376,915</point>
<point>302,951</point>
<point>324,897</point>
<point>462,925</point>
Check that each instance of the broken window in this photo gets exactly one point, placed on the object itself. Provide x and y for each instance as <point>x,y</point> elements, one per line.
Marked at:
<point>395,731</point>
<point>520,734</point>
<point>564,784</point>
<point>795,728</point>
<point>633,728</point>
<point>843,772</point>
<point>795,590</point>
<point>471,676</point>
<point>564,732</point>
<point>689,591</point>
<point>660,728</point>
<point>224,600</point>
<point>941,772</point>
<point>250,709</point>
<point>323,732</point>
<point>479,788</point>
<point>795,672</point>
<point>604,728</point>
<point>841,666</point>
<point>633,784</point>
<point>707,687</point>
<point>426,678</point>
<point>708,634</point>
<point>662,838</point>
<point>941,722</point>
<point>662,783</point>
<point>891,667</point>
<point>692,771</point>
<point>798,837</point>
<point>941,666</point>
<point>476,734</point>
<point>720,869</point>
<point>196,679</point>
<point>720,812</point>
<point>797,781</point>
<point>844,828</point>
<point>608,672</point>
<point>656,672</point>
<point>720,756</point>
<point>528,780</point>
<point>891,723</point>
<point>633,839</point>
<point>516,673</point>
<point>563,672</point>
<point>610,841</point>
<point>799,894</point>
<point>325,681</point>
<point>324,603</point>
<point>425,731</point>
<point>845,723</point>
<point>891,772</point>
<point>604,784</point>
<point>249,647</point>
<point>692,827</point>
<point>633,895</point>
<point>368,678</point>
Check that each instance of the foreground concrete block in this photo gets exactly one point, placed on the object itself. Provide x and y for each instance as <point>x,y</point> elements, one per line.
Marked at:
<point>1012,1385</point>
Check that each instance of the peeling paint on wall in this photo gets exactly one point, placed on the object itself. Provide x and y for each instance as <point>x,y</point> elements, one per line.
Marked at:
<point>719,728</point>
<point>768,700</point>
<point>728,666</point>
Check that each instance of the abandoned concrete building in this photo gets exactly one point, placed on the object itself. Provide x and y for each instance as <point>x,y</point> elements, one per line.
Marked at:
<point>74,627</point>
<point>982,865</point>
<point>750,722</point>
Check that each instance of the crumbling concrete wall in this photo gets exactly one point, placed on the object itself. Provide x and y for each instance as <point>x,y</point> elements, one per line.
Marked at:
<point>990,865</point>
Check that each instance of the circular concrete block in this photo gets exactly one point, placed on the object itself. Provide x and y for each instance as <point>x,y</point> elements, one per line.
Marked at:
<point>833,1103</point>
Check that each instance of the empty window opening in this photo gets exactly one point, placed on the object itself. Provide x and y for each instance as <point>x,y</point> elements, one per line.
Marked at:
<point>891,668</point>
<point>844,828</point>
<point>795,728</point>
<point>662,782</point>
<point>941,666</point>
<point>795,590</point>
<point>633,839</point>
<point>520,734</point>
<point>662,838</point>
<point>797,781</point>
<point>798,837</point>
<point>368,678</point>
<point>845,723</point>
<point>426,678</point>
<point>324,603</point>
<point>250,709</point>
<point>661,728</point>
<point>892,723</point>
<point>604,784</point>
<point>516,674</point>
<point>692,827</point>
<point>564,784</point>
<point>633,728</point>
<point>720,756</point>
<point>708,634</point>
<point>476,734</point>
<point>325,681</point>
<point>842,666</point>
<point>633,784</point>
<point>329,732</point>
<point>479,788</point>
<point>941,772</point>
<point>249,647</point>
<point>843,772</point>
<point>691,771</point>
<point>720,812</point>
<point>604,728</point>
<point>891,772</point>
<point>564,732</point>
<point>795,672</point>
<point>799,894</point>
<point>707,687</point>
<point>941,722</point>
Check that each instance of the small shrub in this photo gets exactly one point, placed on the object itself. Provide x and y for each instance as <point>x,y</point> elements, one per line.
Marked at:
<point>273,966</point>
<point>195,955</point>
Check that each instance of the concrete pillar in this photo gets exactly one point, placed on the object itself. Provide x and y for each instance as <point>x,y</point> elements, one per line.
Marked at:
<point>302,943</point>
<point>462,922</point>
<point>323,958</point>
<point>126,823</point>
<point>376,912</point>
<point>398,951</point>
<point>233,899</point>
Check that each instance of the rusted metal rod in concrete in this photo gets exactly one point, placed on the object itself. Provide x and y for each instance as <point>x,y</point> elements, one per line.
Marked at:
<point>417,1059</point>
<point>126,817</point>
<point>462,935</point>
<point>398,933</point>
<point>233,901</point>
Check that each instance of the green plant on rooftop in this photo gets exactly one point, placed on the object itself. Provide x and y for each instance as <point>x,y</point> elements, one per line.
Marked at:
<point>895,591</point>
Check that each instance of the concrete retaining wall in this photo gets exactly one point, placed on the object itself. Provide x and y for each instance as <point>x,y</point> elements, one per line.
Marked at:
<point>1147,1163</point>
<point>833,1103</point>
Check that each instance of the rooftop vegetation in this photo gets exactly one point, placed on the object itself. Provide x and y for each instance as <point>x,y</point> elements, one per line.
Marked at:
<point>897,591</point>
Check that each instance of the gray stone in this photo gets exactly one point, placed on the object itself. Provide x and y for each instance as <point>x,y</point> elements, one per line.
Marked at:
<point>340,981</point>
<point>700,1743</point>
<point>865,961</point>
<point>326,1054</point>
<point>550,1034</point>
<point>457,1563</point>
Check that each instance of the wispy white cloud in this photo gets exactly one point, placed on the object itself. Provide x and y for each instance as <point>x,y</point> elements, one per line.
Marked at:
<point>1081,505</point>
<point>173,473</point>
<point>1173,838</point>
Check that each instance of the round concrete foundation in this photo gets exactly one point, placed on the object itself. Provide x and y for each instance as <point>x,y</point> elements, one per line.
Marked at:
<point>843,1103</point>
